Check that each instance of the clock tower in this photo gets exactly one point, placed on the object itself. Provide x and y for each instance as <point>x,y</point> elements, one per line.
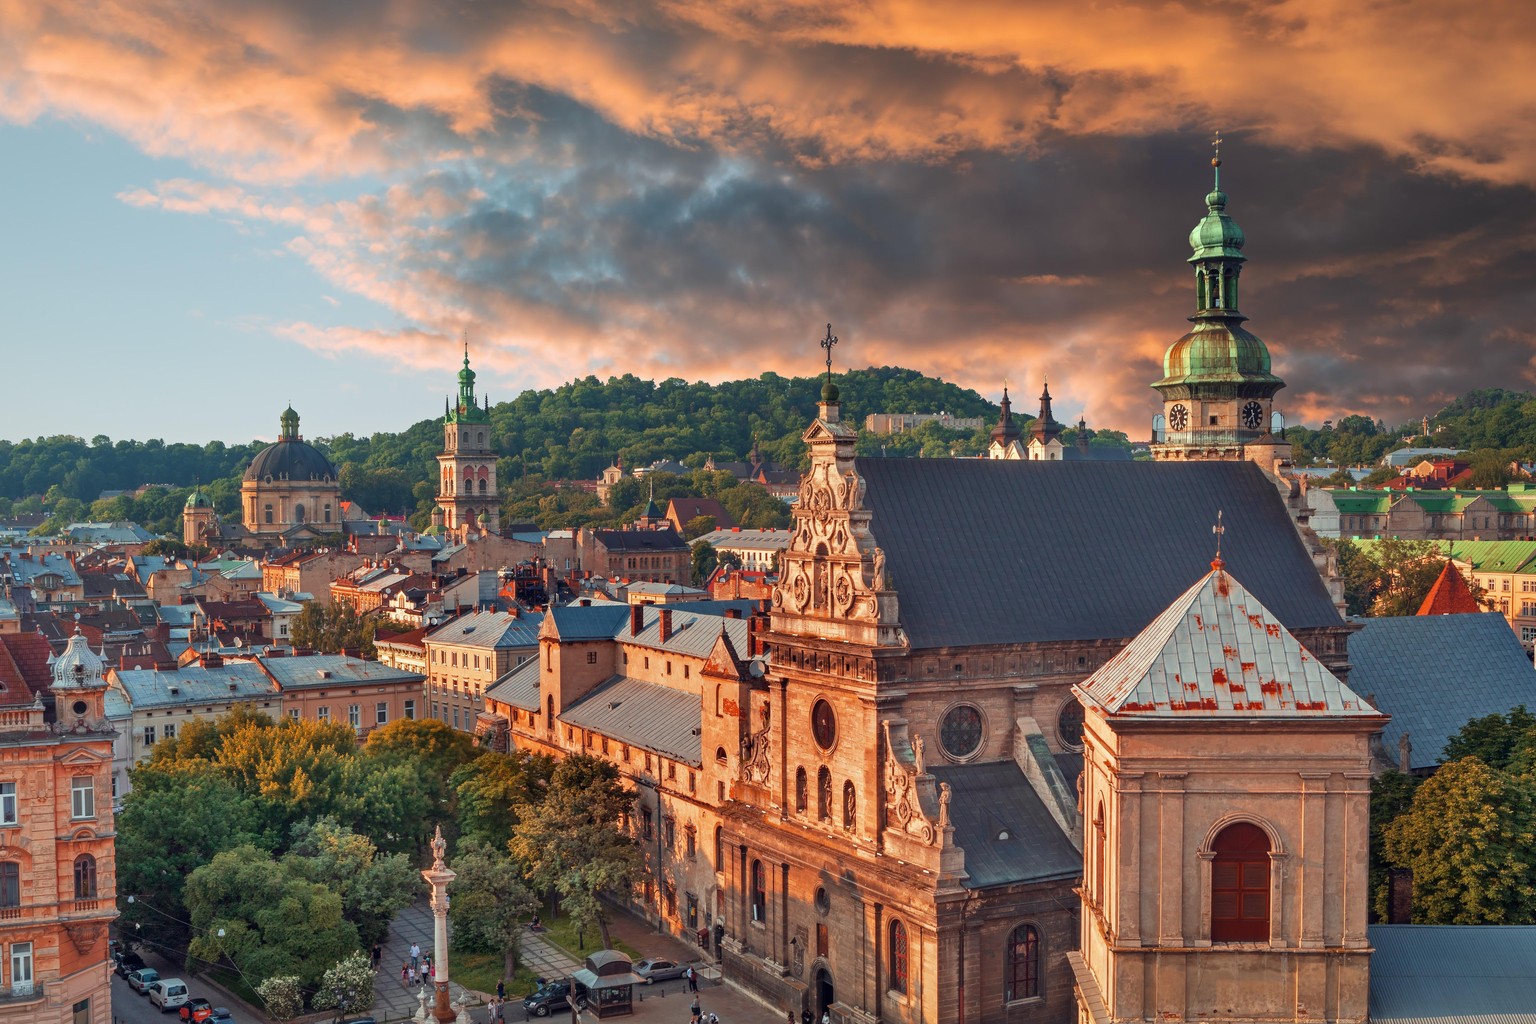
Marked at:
<point>1218,391</point>
<point>466,489</point>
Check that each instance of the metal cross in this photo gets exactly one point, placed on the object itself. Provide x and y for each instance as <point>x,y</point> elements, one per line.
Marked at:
<point>827,344</point>
<point>1218,530</point>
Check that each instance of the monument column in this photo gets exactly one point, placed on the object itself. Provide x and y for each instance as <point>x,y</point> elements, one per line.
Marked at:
<point>438,876</point>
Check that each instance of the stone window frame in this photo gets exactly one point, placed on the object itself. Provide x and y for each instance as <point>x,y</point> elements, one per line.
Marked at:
<point>1278,855</point>
<point>981,744</point>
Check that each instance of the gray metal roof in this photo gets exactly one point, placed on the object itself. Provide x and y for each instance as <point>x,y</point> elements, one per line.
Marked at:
<point>646,715</point>
<point>1453,974</point>
<point>519,687</point>
<point>328,670</point>
<point>990,800</point>
<point>589,622</point>
<point>1434,673</point>
<point>1078,550</point>
<point>148,688</point>
<point>490,629</point>
<point>1217,651</point>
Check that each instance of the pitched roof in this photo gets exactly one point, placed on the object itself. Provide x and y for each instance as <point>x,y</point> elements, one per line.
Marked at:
<point>664,539</point>
<point>994,800</point>
<point>681,510</point>
<point>519,687</point>
<point>328,670</point>
<point>24,668</point>
<point>193,684</point>
<point>1217,651</point>
<point>1467,974</point>
<point>490,629</point>
<point>1097,549</point>
<point>1450,595</point>
<point>643,714</point>
<point>1435,673</point>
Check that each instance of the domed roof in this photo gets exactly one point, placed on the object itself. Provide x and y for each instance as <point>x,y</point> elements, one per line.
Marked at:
<point>78,667</point>
<point>197,499</point>
<point>1217,351</point>
<point>290,458</point>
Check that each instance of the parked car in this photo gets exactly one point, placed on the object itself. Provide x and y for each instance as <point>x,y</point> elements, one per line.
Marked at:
<point>656,968</point>
<point>221,1015</point>
<point>551,996</point>
<point>195,1010</point>
<point>168,993</point>
<point>141,978</point>
<point>125,963</point>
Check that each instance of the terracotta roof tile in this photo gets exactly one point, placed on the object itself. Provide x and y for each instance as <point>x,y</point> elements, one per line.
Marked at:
<point>1450,595</point>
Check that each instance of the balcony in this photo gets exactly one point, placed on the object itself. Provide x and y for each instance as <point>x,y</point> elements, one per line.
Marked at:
<point>31,992</point>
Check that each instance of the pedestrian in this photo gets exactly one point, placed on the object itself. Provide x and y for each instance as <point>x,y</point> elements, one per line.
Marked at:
<point>695,1007</point>
<point>413,973</point>
<point>501,989</point>
<point>404,968</point>
<point>693,980</point>
<point>789,1018</point>
<point>378,955</point>
<point>415,955</point>
<point>826,1017</point>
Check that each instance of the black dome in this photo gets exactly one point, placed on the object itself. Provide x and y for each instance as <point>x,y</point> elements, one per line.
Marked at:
<point>290,460</point>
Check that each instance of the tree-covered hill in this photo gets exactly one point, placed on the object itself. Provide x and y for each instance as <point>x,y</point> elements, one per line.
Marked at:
<point>1485,419</point>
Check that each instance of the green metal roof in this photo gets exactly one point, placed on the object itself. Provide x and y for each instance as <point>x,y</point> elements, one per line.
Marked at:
<point>1481,555</point>
<point>1217,351</point>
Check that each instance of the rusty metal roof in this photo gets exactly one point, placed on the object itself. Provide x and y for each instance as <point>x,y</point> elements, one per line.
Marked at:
<point>1218,651</point>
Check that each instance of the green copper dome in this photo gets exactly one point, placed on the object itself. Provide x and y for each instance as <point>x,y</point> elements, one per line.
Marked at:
<point>197,499</point>
<point>1217,236</point>
<point>1217,352</point>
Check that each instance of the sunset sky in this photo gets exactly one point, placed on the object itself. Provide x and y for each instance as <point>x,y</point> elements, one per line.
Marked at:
<point>212,208</point>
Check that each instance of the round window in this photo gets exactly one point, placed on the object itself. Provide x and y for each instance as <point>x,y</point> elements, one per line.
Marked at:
<point>823,724</point>
<point>81,707</point>
<point>960,732</point>
<point>1069,724</point>
<point>823,901</point>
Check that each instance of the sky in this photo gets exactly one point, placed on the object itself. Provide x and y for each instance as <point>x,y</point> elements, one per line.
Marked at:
<point>211,209</point>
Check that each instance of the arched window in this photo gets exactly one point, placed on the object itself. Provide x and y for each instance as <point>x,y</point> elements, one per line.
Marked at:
<point>802,797</point>
<point>759,893</point>
<point>85,877</point>
<point>850,806</point>
<point>298,513</point>
<point>720,755</point>
<point>1023,978</point>
<point>1240,884</point>
<point>480,437</point>
<point>327,511</point>
<point>898,957</point>
<point>719,848</point>
<point>1099,849</point>
<point>482,485</point>
<point>549,704</point>
<point>824,794</point>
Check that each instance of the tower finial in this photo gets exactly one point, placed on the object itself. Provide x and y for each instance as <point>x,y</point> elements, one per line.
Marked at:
<point>1216,158</point>
<point>466,346</point>
<point>1218,530</point>
<point>829,390</point>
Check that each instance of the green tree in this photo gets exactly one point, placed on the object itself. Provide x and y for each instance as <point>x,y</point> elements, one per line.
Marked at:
<point>704,561</point>
<point>431,750</point>
<point>572,842</point>
<point>1404,572</point>
<point>698,526</point>
<point>1496,740</point>
<point>491,788</point>
<point>490,903</point>
<point>334,629</point>
<point>275,923</point>
<point>1468,838</point>
<point>1361,575</point>
<point>1391,796</point>
<point>372,888</point>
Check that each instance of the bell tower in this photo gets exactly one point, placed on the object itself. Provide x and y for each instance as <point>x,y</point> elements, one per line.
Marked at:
<point>466,490</point>
<point>1217,388</point>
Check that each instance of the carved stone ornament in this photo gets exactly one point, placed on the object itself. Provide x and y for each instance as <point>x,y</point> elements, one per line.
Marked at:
<point>755,766</point>
<point>906,787</point>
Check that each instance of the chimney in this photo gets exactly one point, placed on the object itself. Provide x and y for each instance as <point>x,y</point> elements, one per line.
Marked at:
<point>666,624</point>
<point>1399,896</point>
<point>212,660</point>
<point>636,619</point>
<point>733,613</point>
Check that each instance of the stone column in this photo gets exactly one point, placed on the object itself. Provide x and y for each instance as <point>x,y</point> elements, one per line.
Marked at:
<point>438,876</point>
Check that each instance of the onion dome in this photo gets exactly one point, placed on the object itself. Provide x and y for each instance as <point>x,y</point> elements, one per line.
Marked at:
<point>197,499</point>
<point>290,458</point>
<point>79,667</point>
<point>1217,235</point>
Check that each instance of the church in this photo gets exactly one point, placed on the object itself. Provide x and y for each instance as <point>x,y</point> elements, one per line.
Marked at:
<point>960,656</point>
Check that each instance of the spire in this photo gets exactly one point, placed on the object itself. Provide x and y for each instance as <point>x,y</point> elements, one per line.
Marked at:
<point>288,425</point>
<point>1045,427</point>
<point>1006,430</point>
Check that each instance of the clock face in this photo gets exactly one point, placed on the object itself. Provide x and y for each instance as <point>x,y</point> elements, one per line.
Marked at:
<point>1253,415</point>
<point>1178,417</point>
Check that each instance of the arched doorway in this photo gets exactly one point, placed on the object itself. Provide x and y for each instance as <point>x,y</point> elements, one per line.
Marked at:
<point>824,992</point>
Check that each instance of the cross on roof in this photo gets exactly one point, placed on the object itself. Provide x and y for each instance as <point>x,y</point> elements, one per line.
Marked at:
<point>827,344</point>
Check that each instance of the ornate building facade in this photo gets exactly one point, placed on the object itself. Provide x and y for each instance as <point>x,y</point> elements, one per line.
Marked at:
<point>1217,386</point>
<point>57,871</point>
<point>290,491</point>
<point>466,494</point>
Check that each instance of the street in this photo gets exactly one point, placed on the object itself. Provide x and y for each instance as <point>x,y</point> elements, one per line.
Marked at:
<point>128,1007</point>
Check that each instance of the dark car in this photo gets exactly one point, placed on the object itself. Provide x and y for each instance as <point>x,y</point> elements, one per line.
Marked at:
<point>656,968</point>
<point>221,1015</point>
<point>551,996</point>
<point>195,1010</point>
<point>125,963</point>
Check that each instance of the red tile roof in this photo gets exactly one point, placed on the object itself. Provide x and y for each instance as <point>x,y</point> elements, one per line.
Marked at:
<point>24,666</point>
<point>1450,595</point>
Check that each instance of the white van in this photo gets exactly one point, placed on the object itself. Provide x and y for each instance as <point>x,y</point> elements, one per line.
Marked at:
<point>168,993</point>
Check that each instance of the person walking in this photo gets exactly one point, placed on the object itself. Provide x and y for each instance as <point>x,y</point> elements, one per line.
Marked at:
<point>404,968</point>
<point>412,968</point>
<point>415,955</point>
<point>501,990</point>
<point>695,1007</point>
<point>378,955</point>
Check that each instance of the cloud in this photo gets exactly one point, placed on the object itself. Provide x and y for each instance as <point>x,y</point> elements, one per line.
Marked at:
<point>689,188</point>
